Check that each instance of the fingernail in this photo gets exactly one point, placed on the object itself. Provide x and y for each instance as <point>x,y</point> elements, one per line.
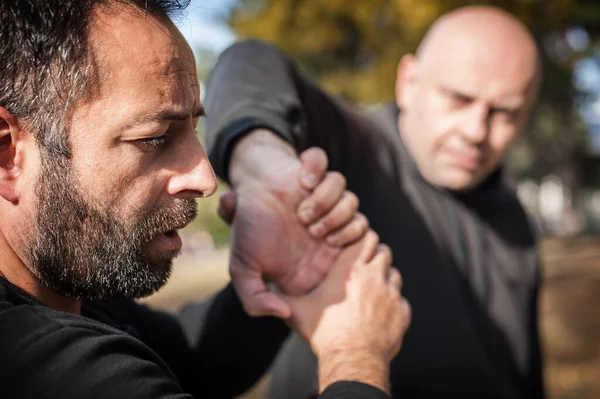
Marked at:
<point>317,230</point>
<point>306,214</point>
<point>309,180</point>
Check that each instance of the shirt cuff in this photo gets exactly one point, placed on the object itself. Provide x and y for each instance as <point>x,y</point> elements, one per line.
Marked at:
<point>352,390</point>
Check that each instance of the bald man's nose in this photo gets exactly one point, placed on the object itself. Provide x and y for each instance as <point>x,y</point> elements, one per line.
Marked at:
<point>476,124</point>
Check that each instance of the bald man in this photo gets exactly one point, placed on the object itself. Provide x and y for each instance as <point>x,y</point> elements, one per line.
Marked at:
<point>428,173</point>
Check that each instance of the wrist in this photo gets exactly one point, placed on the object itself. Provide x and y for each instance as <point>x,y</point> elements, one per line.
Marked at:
<point>353,365</point>
<point>255,154</point>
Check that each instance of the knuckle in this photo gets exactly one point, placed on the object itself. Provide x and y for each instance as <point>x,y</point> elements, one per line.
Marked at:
<point>385,252</point>
<point>352,199</point>
<point>373,235</point>
<point>320,153</point>
<point>400,281</point>
<point>338,178</point>
<point>407,310</point>
<point>362,221</point>
<point>356,227</point>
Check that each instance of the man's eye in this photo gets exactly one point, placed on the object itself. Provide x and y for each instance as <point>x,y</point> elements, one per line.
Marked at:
<point>154,142</point>
<point>506,115</point>
<point>460,100</point>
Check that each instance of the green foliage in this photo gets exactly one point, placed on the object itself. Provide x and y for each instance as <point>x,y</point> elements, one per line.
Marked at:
<point>353,46</point>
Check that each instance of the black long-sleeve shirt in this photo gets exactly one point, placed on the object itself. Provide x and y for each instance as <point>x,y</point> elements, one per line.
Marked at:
<point>469,261</point>
<point>126,350</point>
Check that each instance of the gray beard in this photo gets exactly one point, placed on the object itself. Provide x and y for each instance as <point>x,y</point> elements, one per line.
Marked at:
<point>84,252</point>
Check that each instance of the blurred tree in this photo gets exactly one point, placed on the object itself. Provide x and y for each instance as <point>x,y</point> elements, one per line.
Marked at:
<point>339,40</point>
<point>353,46</point>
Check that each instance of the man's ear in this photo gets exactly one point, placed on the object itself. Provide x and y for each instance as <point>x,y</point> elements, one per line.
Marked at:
<point>406,78</point>
<point>9,134</point>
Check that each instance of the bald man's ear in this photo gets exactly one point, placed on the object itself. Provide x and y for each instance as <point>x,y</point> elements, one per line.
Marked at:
<point>9,133</point>
<point>406,79</point>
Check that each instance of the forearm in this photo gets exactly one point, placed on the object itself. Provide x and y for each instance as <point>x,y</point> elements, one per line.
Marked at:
<point>353,365</point>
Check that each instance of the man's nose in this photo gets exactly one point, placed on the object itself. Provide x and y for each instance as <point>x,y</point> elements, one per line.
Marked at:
<point>194,176</point>
<point>476,124</point>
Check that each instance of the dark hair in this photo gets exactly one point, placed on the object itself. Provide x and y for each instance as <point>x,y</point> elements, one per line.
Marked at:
<point>46,65</point>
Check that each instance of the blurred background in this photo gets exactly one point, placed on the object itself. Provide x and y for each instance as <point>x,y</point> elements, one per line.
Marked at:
<point>352,47</point>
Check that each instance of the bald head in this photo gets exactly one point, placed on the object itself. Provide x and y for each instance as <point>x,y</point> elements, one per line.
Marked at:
<point>466,94</point>
<point>477,24</point>
<point>487,36</point>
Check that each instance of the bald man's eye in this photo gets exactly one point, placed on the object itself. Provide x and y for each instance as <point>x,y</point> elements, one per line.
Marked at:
<point>505,115</point>
<point>458,100</point>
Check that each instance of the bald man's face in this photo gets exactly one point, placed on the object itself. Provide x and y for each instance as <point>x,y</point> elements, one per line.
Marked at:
<point>461,109</point>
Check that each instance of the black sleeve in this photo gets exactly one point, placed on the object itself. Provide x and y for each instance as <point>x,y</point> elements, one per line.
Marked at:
<point>75,362</point>
<point>255,85</point>
<point>216,350</point>
<point>352,390</point>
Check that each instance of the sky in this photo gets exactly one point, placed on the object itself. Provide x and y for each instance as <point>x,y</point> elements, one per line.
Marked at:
<point>204,25</point>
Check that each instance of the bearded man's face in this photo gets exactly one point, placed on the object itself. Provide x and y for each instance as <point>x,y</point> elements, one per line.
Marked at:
<point>91,251</point>
<point>105,219</point>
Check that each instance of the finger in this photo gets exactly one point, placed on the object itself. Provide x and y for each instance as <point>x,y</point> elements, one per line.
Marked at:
<point>254,295</point>
<point>340,214</point>
<point>269,304</point>
<point>351,232</point>
<point>381,262</point>
<point>227,205</point>
<point>314,166</point>
<point>324,197</point>
<point>369,247</point>
<point>395,279</point>
<point>406,310</point>
<point>404,321</point>
<point>297,303</point>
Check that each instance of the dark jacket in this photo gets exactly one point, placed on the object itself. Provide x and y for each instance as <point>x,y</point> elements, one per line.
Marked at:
<point>128,351</point>
<point>469,262</point>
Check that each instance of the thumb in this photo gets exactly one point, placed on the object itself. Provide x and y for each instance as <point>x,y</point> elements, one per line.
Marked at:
<point>254,294</point>
<point>227,205</point>
<point>314,166</point>
<point>267,304</point>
